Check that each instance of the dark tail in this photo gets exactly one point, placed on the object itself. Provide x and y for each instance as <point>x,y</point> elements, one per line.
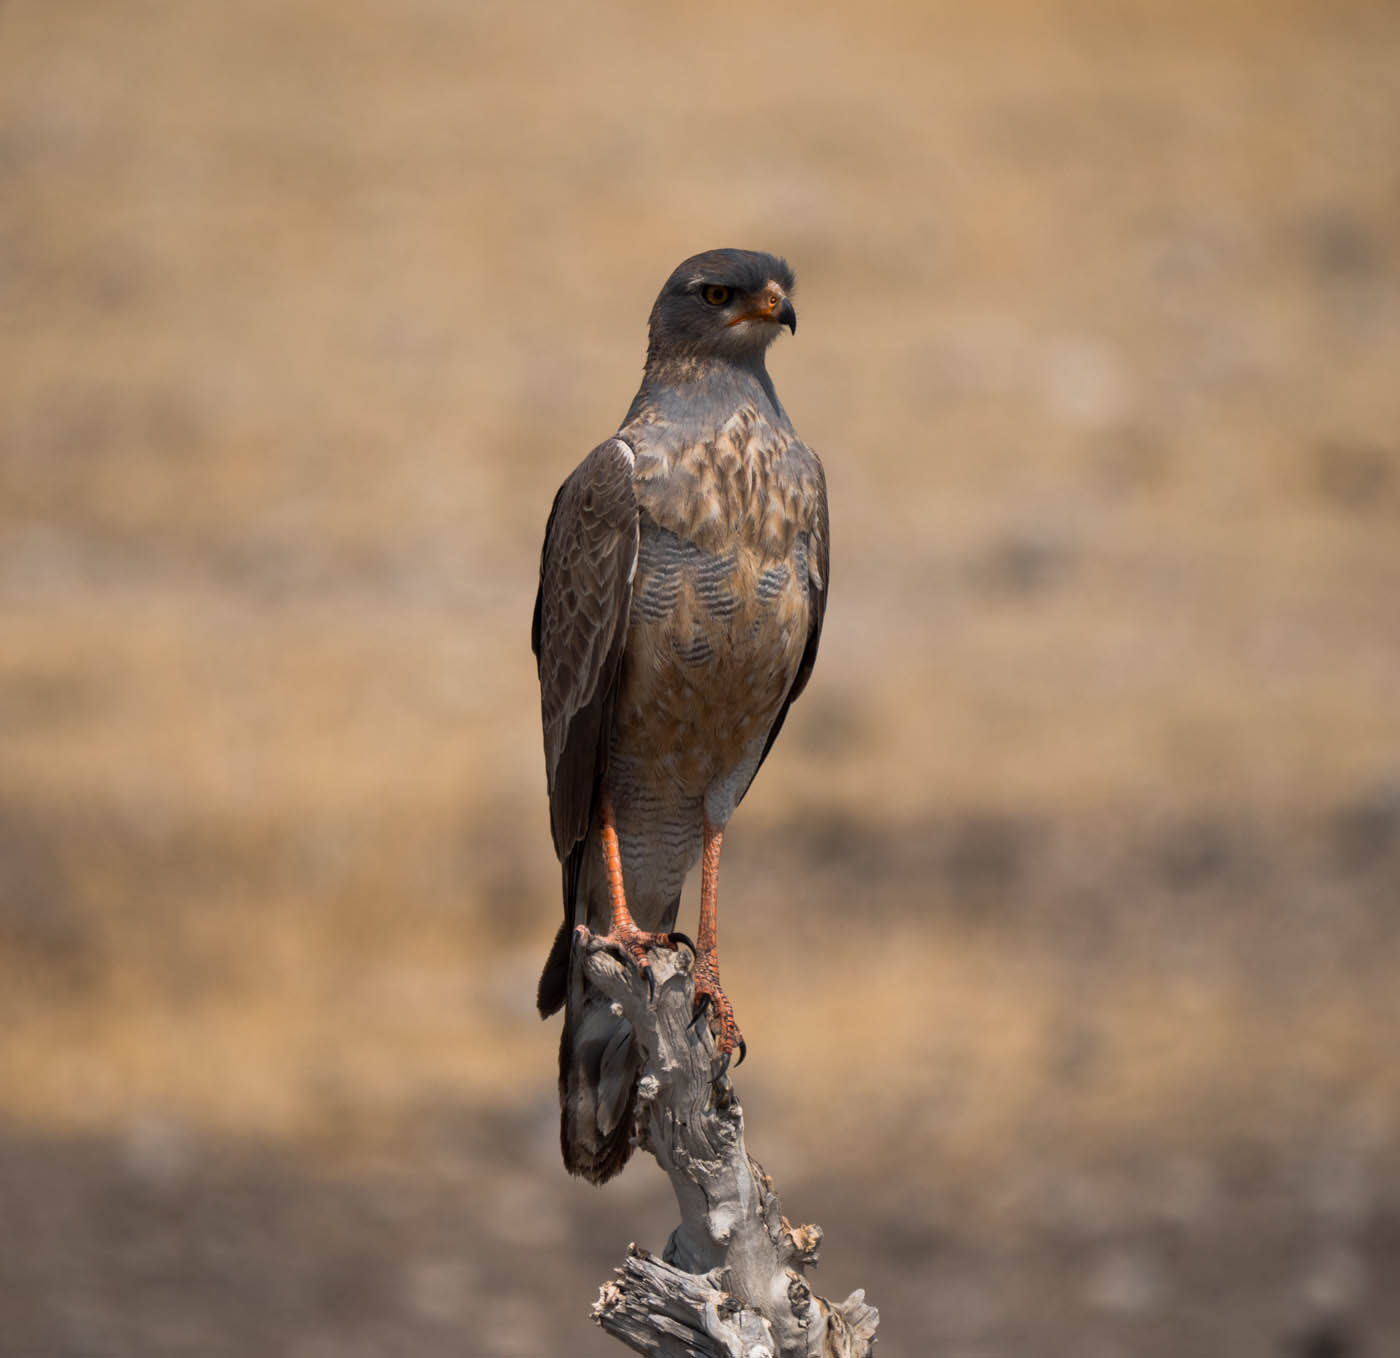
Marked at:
<point>598,1072</point>
<point>598,1060</point>
<point>598,1067</point>
<point>554,979</point>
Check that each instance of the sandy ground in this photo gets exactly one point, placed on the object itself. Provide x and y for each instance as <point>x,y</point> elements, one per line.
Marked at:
<point>1077,869</point>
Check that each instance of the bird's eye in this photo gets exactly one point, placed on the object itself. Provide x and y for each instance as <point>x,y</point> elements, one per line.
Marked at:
<point>716,295</point>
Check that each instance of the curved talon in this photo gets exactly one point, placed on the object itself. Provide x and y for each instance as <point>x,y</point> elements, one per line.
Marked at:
<point>724,1060</point>
<point>637,953</point>
<point>677,938</point>
<point>712,1003</point>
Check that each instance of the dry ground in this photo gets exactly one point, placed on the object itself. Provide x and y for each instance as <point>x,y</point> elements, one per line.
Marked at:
<point>1077,870</point>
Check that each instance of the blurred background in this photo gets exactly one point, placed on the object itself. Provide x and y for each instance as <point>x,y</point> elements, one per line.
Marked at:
<point>1062,925</point>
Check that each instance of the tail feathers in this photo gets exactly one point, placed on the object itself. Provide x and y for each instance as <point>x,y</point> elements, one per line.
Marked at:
<point>554,979</point>
<point>598,1072</point>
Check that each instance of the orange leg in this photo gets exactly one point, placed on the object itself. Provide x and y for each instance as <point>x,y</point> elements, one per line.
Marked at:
<point>708,992</point>
<point>622,928</point>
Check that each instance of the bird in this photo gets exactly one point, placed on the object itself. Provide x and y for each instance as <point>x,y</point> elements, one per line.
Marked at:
<point>682,591</point>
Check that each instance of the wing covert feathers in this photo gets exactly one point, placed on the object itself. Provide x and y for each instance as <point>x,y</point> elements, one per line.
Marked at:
<point>580,627</point>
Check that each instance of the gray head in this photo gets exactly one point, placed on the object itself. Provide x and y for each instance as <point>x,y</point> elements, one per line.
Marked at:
<point>724,304</point>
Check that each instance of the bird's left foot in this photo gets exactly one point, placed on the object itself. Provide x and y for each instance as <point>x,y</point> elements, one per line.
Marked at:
<point>710,999</point>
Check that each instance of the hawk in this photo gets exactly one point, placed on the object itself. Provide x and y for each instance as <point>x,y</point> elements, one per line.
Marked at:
<point>682,587</point>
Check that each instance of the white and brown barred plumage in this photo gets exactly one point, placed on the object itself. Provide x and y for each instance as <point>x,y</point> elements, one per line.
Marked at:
<point>683,584</point>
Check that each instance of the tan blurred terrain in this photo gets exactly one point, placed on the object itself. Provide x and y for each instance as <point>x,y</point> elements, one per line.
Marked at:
<point>1079,864</point>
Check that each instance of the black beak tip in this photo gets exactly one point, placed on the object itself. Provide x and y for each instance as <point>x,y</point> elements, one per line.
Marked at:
<point>787,315</point>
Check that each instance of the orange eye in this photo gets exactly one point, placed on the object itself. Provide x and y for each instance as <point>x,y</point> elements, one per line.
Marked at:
<point>716,295</point>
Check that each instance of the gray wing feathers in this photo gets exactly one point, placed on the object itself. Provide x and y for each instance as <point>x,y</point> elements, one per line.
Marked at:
<point>580,628</point>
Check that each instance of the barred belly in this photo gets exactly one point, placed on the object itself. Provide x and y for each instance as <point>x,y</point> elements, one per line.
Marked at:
<point>714,645</point>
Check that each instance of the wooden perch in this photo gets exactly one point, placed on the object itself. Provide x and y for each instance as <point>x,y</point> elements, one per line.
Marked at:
<point>729,1283</point>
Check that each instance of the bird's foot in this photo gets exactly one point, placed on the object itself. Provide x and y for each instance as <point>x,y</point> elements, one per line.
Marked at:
<point>634,943</point>
<point>710,999</point>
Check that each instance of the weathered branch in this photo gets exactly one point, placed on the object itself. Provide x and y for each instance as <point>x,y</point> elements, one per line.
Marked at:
<point>729,1282</point>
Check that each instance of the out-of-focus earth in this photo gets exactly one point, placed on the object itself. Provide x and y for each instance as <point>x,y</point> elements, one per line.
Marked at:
<point>1063,924</point>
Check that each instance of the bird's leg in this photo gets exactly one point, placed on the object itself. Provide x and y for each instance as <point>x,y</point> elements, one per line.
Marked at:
<point>708,994</point>
<point>622,928</point>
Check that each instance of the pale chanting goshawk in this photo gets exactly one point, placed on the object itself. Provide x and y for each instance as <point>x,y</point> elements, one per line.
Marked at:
<point>682,587</point>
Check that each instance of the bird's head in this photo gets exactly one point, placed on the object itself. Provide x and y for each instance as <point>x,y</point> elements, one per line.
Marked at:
<point>724,304</point>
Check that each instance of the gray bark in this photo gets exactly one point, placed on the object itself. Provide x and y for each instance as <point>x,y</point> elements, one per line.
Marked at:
<point>729,1281</point>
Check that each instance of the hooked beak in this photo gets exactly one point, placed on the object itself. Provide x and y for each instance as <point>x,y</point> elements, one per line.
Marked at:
<point>774,307</point>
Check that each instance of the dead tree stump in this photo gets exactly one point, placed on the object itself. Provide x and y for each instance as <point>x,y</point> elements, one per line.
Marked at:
<point>729,1283</point>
